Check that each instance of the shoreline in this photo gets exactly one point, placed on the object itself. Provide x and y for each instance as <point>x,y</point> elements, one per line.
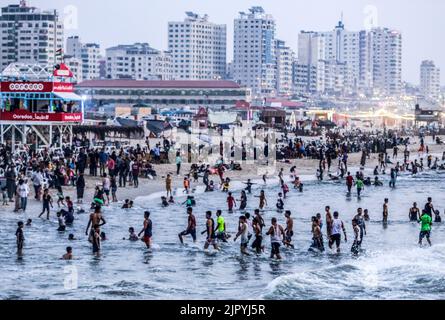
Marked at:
<point>148,188</point>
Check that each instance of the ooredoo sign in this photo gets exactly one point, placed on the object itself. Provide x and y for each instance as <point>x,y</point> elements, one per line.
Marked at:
<point>36,87</point>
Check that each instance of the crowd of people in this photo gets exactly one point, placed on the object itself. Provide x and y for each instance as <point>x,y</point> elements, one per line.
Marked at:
<point>122,168</point>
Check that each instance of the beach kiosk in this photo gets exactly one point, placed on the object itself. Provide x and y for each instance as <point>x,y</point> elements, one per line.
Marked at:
<point>38,105</point>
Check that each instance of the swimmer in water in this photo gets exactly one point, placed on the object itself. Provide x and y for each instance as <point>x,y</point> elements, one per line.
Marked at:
<point>276,233</point>
<point>355,249</point>
<point>147,230</point>
<point>96,218</point>
<point>366,215</point>
<point>242,232</point>
<point>414,213</point>
<point>231,202</point>
<point>164,202</point>
<point>425,229</point>
<point>243,201</point>
<point>62,226</point>
<point>126,205</point>
<point>20,239</point>
<point>285,189</point>
<point>71,237</point>
<point>249,186</point>
<point>211,237</point>
<point>289,231</point>
<point>263,200</point>
<point>191,227</point>
<point>328,221</point>
<point>168,185</point>
<point>385,211</point>
<point>257,226</point>
<point>317,235</point>
<point>280,202</point>
<point>69,254</point>
<point>96,240</point>
<point>337,227</point>
<point>29,223</point>
<point>437,218</point>
<point>132,235</point>
<point>220,229</point>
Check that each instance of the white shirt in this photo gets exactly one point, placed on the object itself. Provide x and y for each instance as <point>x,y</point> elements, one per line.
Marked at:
<point>337,226</point>
<point>23,190</point>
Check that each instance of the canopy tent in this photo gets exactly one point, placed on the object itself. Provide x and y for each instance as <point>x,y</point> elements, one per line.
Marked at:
<point>222,118</point>
<point>68,96</point>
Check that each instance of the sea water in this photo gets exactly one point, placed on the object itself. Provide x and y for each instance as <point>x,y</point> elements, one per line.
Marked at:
<point>391,266</point>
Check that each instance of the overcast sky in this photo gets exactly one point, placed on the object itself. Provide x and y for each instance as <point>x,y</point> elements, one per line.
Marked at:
<point>111,22</point>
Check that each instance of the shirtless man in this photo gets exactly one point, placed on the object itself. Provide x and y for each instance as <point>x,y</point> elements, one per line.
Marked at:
<point>414,213</point>
<point>263,201</point>
<point>95,219</point>
<point>147,230</point>
<point>69,254</point>
<point>211,237</point>
<point>317,235</point>
<point>168,185</point>
<point>328,222</point>
<point>289,231</point>
<point>191,227</point>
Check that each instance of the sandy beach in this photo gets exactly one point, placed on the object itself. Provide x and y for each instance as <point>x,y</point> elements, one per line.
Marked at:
<point>305,167</point>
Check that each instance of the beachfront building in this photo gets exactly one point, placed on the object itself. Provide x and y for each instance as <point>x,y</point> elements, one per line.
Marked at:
<point>349,62</point>
<point>254,63</point>
<point>29,35</point>
<point>138,61</point>
<point>214,94</point>
<point>386,61</point>
<point>198,48</point>
<point>88,53</point>
<point>285,57</point>
<point>429,80</point>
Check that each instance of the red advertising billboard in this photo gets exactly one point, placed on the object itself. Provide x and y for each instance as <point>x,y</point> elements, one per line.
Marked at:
<point>26,116</point>
<point>36,87</point>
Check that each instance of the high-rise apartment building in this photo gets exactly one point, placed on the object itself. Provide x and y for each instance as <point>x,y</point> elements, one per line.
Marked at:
<point>198,48</point>
<point>88,53</point>
<point>285,57</point>
<point>368,62</point>
<point>254,63</point>
<point>429,80</point>
<point>29,35</point>
<point>139,62</point>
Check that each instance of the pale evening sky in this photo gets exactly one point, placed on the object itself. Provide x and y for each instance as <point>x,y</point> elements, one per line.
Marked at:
<point>124,22</point>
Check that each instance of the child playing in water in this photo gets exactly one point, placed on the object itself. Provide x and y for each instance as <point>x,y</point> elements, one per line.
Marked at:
<point>263,201</point>
<point>164,202</point>
<point>186,185</point>
<point>231,202</point>
<point>285,189</point>
<point>133,236</point>
<point>226,185</point>
<point>366,215</point>
<point>171,200</point>
<point>280,202</point>
<point>62,226</point>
